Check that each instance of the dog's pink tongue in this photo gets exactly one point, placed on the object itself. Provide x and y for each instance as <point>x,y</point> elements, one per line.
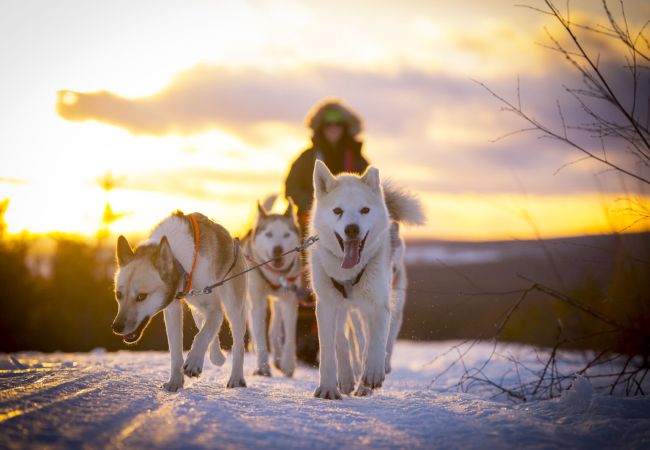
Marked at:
<point>351,255</point>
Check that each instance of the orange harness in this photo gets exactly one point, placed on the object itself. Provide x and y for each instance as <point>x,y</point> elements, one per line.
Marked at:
<point>188,281</point>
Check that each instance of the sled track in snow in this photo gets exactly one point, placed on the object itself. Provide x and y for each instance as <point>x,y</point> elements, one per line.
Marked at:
<point>114,400</point>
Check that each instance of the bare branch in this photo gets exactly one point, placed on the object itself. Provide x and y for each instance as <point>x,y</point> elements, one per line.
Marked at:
<point>570,163</point>
<point>550,134</point>
<point>597,71</point>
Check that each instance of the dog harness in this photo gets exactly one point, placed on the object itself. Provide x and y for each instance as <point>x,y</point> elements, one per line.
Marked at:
<point>286,281</point>
<point>187,287</point>
<point>345,286</point>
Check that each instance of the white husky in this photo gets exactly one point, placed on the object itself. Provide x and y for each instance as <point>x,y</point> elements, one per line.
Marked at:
<point>271,236</point>
<point>351,267</point>
<point>181,248</point>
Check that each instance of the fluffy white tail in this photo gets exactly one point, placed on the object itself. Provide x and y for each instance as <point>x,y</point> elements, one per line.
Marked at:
<point>403,206</point>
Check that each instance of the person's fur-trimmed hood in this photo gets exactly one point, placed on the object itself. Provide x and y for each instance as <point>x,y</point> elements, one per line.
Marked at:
<point>333,106</point>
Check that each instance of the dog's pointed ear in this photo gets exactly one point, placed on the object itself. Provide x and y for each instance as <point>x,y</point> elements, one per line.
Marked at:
<point>291,208</point>
<point>371,178</point>
<point>261,211</point>
<point>124,252</point>
<point>164,258</point>
<point>324,181</point>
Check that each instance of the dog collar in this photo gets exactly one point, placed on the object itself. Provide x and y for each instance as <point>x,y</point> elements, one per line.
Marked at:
<point>286,281</point>
<point>344,286</point>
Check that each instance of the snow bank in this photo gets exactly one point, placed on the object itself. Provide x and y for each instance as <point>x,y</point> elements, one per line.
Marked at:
<point>98,400</point>
<point>433,254</point>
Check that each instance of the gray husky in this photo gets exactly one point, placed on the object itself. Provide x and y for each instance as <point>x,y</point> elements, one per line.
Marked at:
<point>271,236</point>
<point>352,269</point>
<point>149,279</point>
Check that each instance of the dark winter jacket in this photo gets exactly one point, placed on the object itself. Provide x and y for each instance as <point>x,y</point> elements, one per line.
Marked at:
<point>346,157</point>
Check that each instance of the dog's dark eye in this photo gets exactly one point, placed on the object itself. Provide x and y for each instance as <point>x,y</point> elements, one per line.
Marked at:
<point>268,234</point>
<point>118,295</point>
<point>286,235</point>
<point>338,211</point>
<point>141,297</point>
<point>364,210</point>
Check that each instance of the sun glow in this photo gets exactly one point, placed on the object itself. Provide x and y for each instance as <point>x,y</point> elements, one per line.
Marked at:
<point>51,168</point>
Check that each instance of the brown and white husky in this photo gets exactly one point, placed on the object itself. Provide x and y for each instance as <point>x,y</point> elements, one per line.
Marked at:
<point>149,278</point>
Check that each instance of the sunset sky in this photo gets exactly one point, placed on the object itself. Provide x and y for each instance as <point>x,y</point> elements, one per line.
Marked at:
<point>200,106</point>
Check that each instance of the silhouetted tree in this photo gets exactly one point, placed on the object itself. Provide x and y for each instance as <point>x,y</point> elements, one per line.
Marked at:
<point>614,322</point>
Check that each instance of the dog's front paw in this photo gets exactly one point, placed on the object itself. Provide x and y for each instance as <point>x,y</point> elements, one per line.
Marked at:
<point>374,376</point>
<point>216,356</point>
<point>174,383</point>
<point>236,381</point>
<point>193,365</point>
<point>263,371</point>
<point>288,366</point>
<point>363,391</point>
<point>328,393</point>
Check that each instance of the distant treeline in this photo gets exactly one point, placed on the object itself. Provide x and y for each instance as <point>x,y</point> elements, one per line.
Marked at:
<point>71,309</point>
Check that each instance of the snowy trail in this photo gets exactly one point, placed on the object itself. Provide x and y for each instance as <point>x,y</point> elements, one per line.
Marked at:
<point>97,400</point>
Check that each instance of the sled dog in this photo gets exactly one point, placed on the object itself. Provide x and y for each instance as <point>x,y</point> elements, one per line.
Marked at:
<point>351,268</point>
<point>271,236</point>
<point>184,252</point>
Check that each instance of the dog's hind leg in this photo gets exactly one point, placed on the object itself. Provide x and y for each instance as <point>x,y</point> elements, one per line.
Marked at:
<point>344,372</point>
<point>275,332</point>
<point>357,342</point>
<point>194,361</point>
<point>377,317</point>
<point>289,308</point>
<point>258,305</point>
<point>216,355</point>
<point>395,324</point>
<point>174,325</point>
<point>236,312</point>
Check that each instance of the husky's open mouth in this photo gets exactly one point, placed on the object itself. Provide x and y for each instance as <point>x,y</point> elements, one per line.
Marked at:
<point>278,263</point>
<point>352,249</point>
<point>132,338</point>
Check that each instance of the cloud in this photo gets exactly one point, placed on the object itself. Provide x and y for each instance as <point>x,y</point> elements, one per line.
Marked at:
<point>391,102</point>
<point>399,107</point>
<point>207,97</point>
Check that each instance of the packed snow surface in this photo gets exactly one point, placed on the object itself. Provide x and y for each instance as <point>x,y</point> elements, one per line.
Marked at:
<point>98,399</point>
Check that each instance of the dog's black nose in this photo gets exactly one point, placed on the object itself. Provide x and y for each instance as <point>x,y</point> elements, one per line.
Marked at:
<point>352,231</point>
<point>277,251</point>
<point>118,327</point>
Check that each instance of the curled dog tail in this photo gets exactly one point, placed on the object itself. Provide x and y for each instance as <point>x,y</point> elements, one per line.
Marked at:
<point>403,206</point>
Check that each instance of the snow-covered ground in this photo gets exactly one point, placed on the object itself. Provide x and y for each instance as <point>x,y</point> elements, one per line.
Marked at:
<point>98,399</point>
